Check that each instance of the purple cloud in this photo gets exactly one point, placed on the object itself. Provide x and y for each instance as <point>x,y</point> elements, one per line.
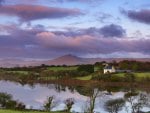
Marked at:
<point>140,16</point>
<point>112,30</point>
<point>34,12</point>
<point>85,44</point>
<point>82,1</point>
<point>1,2</point>
<point>102,17</point>
<point>39,43</point>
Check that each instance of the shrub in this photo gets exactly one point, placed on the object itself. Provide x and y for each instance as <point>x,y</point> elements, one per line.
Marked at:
<point>7,102</point>
<point>129,77</point>
<point>86,68</point>
<point>69,103</point>
<point>115,78</point>
<point>106,77</point>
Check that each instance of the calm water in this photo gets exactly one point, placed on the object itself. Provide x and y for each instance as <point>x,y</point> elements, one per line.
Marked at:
<point>35,96</point>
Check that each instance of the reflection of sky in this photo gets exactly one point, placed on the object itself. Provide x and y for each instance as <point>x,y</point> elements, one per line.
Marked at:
<point>36,96</point>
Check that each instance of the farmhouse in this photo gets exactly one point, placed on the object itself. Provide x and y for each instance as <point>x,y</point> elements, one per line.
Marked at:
<point>109,69</point>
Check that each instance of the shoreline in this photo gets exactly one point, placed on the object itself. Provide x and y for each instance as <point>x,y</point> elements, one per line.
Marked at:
<point>89,83</point>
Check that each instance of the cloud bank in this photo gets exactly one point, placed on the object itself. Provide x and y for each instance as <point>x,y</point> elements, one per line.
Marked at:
<point>142,16</point>
<point>36,12</point>
<point>42,43</point>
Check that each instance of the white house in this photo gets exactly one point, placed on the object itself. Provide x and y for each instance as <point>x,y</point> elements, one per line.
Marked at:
<point>109,69</point>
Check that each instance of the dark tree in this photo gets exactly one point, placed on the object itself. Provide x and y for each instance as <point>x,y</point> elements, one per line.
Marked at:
<point>114,106</point>
<point>49,104</point>
<point>69,103</point>
<point>93,94</point>
<point>86,68</point>
<point>136,101</point>
<point>7,102</point>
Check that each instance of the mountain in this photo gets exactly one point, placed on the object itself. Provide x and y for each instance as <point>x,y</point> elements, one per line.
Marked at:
<point>74,60</point>
<point>16,63</point>
<point>63,60</point>
<point>66,60</point>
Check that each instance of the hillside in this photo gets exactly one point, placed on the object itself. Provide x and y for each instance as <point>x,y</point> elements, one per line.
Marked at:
<point>63,60</point>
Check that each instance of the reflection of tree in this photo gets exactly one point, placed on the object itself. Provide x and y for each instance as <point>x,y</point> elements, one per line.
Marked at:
<point>7,102</point>
<point>114,106</point>
<point>71,88</point>
<point>136,101</point>
<point>60,88</point>
<point>4,98</point>
<point>50,103</point>
<point>94,93</point>
<point>69,103</point>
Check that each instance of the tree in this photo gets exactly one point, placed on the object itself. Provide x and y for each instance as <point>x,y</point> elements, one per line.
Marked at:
<point>99,66</point>
<point>4,98</point>
<point>49,104</point>
<point>137,101</point>
<point>89,108</point>
<point>7,102</point>
<point>86,68</point>
<point>114,106</point>
<point>69,103</point>
<point>129,77</point>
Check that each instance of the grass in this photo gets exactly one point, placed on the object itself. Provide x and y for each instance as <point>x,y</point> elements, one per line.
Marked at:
<point>19,72</point>
<point>96,68</point>
<point>62,68</point>
<point>119,74</point>
<point>146,74</point>
<point>138,75</point>
<point>84,78</point>
<point>14,111</point>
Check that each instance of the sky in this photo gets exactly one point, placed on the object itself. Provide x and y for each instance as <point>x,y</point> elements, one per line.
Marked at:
<point>46,29</point>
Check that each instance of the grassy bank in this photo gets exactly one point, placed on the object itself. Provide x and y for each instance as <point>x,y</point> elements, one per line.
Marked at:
<point>84,78</point>
<point>49,73</point>
<point>14,111</point>
<point>138,76</point>
<point>62,68</point>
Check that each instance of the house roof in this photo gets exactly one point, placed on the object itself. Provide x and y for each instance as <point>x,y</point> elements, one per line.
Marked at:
<point>108,67</point>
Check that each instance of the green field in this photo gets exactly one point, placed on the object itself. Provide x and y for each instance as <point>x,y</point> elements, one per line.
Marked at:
<point>19,72</point>
<point>84,78</point>
<point>138,75</point>
<point>143,74</point>
<point>13,111</point>
<point>62,68</point>
<point>96,68</point>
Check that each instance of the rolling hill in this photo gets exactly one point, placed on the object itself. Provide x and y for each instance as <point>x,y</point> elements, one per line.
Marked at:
<point>63,60</point>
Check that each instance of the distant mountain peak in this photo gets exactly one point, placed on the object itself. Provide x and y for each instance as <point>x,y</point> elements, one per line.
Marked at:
<point>67,59</point>
<point>69,55</point>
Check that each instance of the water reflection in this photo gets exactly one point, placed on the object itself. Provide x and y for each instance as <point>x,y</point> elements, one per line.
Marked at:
<point>88,99</point>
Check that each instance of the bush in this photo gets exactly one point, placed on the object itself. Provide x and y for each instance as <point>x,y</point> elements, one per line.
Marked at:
<point>129,77</point>
<point>7,102</point>
<point>86,68</point>
<point>69,103</point>
<point>115,78</point>
<point>104,77</point>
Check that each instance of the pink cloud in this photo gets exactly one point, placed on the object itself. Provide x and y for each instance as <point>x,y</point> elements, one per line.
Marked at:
<point>35,12</point>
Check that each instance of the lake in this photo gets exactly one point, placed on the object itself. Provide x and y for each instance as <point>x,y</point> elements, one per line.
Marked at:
<point>34,97</point>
